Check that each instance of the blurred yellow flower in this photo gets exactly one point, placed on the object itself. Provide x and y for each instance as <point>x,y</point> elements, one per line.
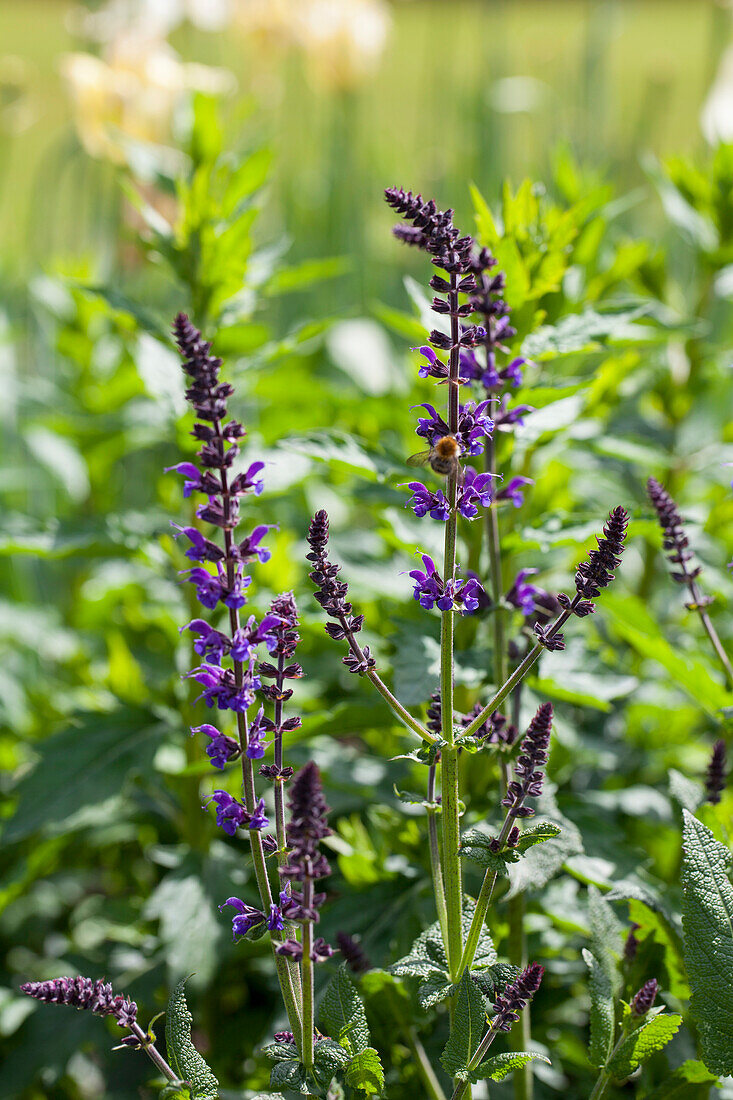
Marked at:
<point>133,93</point>
<point>342,41</point>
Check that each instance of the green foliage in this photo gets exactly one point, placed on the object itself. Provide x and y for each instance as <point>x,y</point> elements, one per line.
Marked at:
<point>501,1065</point>
<point>365,1072</point>
<point>602,1011</point>
<point>342,1013</point>
<point>636,1048</point>
<point>469,1027</point>
<point>183,1057</point>
<point>707,919</point>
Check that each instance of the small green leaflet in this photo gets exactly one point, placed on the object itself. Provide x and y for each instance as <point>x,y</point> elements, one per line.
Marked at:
<point>602,1017</point>
<point>469,1027</point>
<point>329,1058</point>
<point>499,1067</point>
<point>475,845</point>
<point>690,1081</point>
<point>642,1043</point>
<point>365,1072</point>
<point>185,1060</point>
<point>342,1013</point>
<point>289,1075</point>
<point>707,920</point>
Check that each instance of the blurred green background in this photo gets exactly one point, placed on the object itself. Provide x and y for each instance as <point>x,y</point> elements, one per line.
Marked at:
<point>124,199</point>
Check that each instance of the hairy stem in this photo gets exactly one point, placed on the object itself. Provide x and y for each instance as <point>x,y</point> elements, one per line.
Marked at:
<point>522,1029</point>
<point>494,543</point>
<point>460,1089</point>
<point>482,903</point>
<point>435,865</point>
<point>154,1054</point>
<point>282,855</point>
<point>307,976</point>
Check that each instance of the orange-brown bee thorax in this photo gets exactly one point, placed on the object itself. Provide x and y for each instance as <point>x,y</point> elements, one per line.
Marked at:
<point>447,447</point>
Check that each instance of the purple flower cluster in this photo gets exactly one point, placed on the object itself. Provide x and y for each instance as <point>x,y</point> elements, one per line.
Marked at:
<point>473,425</point>
<point>306,863</point>
<point>715,778</point>
<point>331,594</point>
<point>232,815</point>
<point>529,768</point>
<point>248,918</point>
<point>475,491</point>
<point>595,574</point>
<point>87,995</point>
<point>430,590</point>
<point>515,997</point>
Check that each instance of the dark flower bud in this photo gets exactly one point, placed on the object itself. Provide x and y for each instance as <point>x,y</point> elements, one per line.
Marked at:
<point>716,774</point>
<point>675,543</point>
<point>645,998</point>
<point>291,949</point>
<point>321,950</point>
<point>269,844</point>
<point>86,995</point>
<point>631,945</point>
<point>595,574</point>
<point>353,954</point>
<point>515,997</point>
<point>552,642</point>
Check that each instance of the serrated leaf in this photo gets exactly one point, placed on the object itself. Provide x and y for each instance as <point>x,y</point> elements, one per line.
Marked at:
<point>330,1055</point>
<point>707,923</point>
<point>585,332</point>
<point>365,1072</point>
<point>434,988</point>
<point>538,834</point>
<point>653,1035</point>
<point>501,1065</point>
<point>281,1052</point>
<point>690,1081</point>
<point>686,791</point>
<point>492,979</point>
<point>476,846</point>
<point>606,936</point>
<point>183,1057</point>
<point>342,1013</point>
<point>469,1024</point>
<point>290,1075</point>
<point>602,1017</point>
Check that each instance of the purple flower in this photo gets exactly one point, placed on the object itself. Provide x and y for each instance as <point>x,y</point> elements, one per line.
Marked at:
<point>208,588</point>
<point>230,814</point>
<point>255,746</point>
<point>221,749</point>
<point>275,921</point>
<point>248,481</point>
<point>430,590</point>
<point>250,547</point>
<point>513,373</point>
<point>506,418</point>
<point>258,818</point>
<point>246,919</point>
<point>522,594</point>
<point>476,489</point>
<point>423,501</point>
<point>194,477</point>
<point>221,689</point>
<point>247,637</point>
<point>473,426</point>
<point>201,549</point>
<point>514,490</point>
<point>210,643</point>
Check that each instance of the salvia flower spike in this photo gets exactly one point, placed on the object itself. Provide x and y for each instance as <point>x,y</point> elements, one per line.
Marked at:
<point>715,778</point>
<point>644,1000</point>
<point>677,549</point>
<point>234,687</point>
<point>85,994</point>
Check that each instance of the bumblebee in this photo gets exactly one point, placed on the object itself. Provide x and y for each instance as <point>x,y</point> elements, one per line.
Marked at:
<point>442,458</point>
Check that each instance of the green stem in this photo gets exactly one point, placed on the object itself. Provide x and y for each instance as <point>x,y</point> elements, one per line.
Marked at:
<point>482,903</point>
<point>431,1082</point>
<point>307,977</point>
<point>449,752</point>
<point>460,1089</point>
<point>522,1030</point>
<point>494,543</point>
<point>604,1078</point>
<point>435,867</point>
<point>154,1054</point>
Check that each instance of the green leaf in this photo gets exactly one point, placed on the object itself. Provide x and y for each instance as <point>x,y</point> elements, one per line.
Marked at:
<point>707,923</point>
<point>476,846</point>
<point>493,979</point>
<point>542,862</point>
<point>585,332</point>
<point>606,936</point>
<point>469,1024</point>
<point>501,1065</point>
<point>81,768</point>
<point>342,1013</point>
<point>305,274</point>
<point>120,303</point>
<point>690,1081</point>
<point>184,1059</point>
<point>653,1035</point>
<point>602,1017</point>
<point>281,1052</point>
<point>365,1072</point>
<point>686,791</point>
<point>538,834</point>
<point>434,988</point>
<point>330,1055</point>
<point>289,1075</point>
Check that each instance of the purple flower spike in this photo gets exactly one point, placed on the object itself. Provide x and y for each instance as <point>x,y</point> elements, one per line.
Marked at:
<point>84,994</point>
<point>430,591</point>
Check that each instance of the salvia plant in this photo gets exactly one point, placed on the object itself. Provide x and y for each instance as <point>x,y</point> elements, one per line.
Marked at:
<point>452,980</point>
